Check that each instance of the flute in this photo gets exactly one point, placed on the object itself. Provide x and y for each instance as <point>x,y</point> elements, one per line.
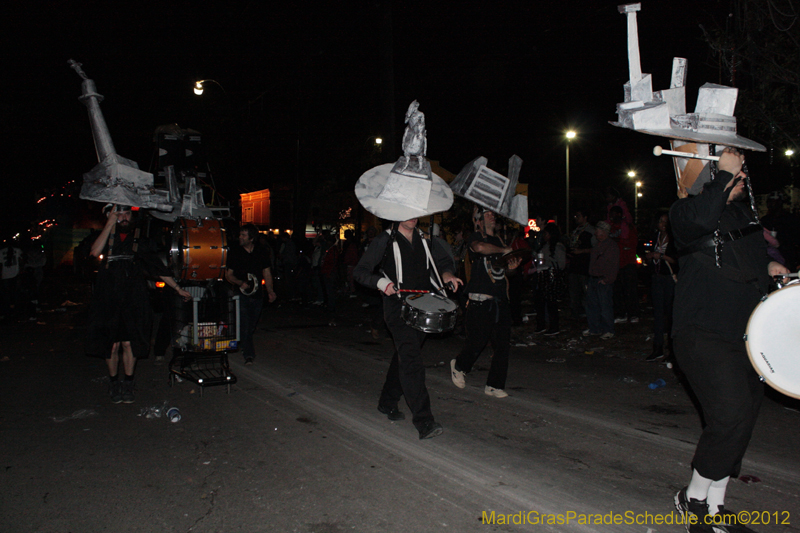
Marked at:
<point>659,151</point>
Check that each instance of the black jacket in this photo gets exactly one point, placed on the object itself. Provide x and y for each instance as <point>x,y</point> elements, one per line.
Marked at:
<point>717,299</point>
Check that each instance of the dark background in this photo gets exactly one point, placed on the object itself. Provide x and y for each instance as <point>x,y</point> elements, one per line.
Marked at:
<point>304,89</point>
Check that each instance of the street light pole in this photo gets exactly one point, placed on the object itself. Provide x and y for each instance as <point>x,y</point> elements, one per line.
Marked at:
<point>570,135</point>
<point>636,203</point>
<point>636,194</point>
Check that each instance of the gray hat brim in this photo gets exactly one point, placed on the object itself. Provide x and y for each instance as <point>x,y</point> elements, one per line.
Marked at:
<point>737,141</point>
<point>370,185</point>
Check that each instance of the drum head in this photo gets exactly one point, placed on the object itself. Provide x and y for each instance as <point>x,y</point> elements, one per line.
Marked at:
<point>773,340</point>
<point>431,303</point>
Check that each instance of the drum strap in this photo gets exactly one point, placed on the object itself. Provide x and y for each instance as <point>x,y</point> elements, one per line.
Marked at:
<point>714,240</point>
<point>439,286</point>
<point>398,260</point>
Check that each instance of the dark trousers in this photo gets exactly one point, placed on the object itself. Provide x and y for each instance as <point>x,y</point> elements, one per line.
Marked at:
<point>662,294</point>
<point>516,288</point>
<point>600,307</point>
<point>249,313</point>
<point>546,311</point>
<point>406,374</point>
<point>487,321</point>
<point>626,292</point>
<point>331,285</point>
<point>730,395</point>
<point>577,293</point>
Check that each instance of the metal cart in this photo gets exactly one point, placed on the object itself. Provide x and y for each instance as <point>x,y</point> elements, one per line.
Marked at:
<point>206,330</point>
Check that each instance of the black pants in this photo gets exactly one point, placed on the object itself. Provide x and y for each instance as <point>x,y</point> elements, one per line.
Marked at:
<point>487,321</point>
<point>406,375</point>
<point>545,307</point>
<point>626,292</point>
<point>730,395</point>
<point>516,290</point>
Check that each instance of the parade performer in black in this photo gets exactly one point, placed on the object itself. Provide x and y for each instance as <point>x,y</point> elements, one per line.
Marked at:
<point>248,265</point>
<point>120,316</point>
<point>401,258</point>
<point>402,192</point>
<point>725,271</point>
<point>488,316</point>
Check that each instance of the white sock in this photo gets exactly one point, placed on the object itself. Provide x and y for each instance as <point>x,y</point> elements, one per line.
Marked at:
<point>716,495</point>
<point>698,486</point>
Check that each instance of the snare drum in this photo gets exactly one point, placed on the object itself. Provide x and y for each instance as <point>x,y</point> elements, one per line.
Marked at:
<point>429,312</point>
<point>773,339</point>
<point>199,249</point>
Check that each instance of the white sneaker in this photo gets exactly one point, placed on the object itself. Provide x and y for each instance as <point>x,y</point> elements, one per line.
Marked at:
<point>457,375</point>
<point>606,336</point>
<point>634,320</point>
<point>622,320</point>
<point>497,393</point>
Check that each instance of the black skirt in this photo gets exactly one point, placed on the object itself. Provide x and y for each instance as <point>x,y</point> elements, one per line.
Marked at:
<point>120,310</point>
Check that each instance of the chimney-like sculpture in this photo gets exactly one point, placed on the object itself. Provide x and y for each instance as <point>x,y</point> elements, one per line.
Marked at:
<point>114,179</point>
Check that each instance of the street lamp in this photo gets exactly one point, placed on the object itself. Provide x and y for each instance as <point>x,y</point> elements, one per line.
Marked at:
<point>570,135</point>
<point>198,86</point>
<point>789,153</point>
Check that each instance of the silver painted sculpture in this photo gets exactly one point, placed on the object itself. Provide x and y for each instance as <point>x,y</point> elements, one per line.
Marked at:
<point>118,180</point>
<point>114,179</point>
<point>415,144</point>
<point>407,188</point>
<point>480,184</point>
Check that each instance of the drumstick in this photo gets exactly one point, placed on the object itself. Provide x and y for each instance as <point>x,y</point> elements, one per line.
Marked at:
<point>412,290</point>
<point>659,151</point>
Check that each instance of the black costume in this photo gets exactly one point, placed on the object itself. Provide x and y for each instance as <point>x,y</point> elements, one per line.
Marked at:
<point>120,309</point>
<point>712,307</point>
<point>243,263</point>
<point>488,314</point>
<point>406,374</point>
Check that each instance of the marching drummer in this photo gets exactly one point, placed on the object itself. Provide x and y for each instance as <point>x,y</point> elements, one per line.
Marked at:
<point>725,270</point>
<point>402,255</point>
<point>488,313</point>
<point>402,192</point>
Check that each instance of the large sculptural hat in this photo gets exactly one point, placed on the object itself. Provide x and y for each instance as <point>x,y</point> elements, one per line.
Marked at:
<point>406,189</point>
<point>396,197</point>
<point>663,113</point>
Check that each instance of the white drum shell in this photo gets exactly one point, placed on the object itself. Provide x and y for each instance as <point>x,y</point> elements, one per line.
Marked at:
<point>773,340</point>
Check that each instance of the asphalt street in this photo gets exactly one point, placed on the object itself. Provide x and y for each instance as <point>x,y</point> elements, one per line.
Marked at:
<point>299,446</point>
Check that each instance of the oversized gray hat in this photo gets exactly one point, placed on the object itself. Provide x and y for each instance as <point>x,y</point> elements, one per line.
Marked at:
<point>663,113</point>
<point>398,197</point>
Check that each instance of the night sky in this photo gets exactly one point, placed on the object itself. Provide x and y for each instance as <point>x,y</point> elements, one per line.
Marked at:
<point>305,88</point>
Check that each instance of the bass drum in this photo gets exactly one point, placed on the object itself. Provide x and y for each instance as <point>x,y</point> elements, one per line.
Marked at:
<point>773,340</point>
<point>199,249</point>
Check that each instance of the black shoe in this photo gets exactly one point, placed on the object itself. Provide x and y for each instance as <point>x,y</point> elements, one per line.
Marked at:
<point>551,333</point>
<point>248,361</point>
<point>728,521</point>
<point>115,391</point>
<point>658,353</point>
<point>392,413</point>
<point>693,512</point>
<point>539,330</point>
<point>430,429</point>
<point>127,391</point>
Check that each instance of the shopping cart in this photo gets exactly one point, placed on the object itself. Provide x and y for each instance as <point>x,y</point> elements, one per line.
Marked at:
<point>206,330</point>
